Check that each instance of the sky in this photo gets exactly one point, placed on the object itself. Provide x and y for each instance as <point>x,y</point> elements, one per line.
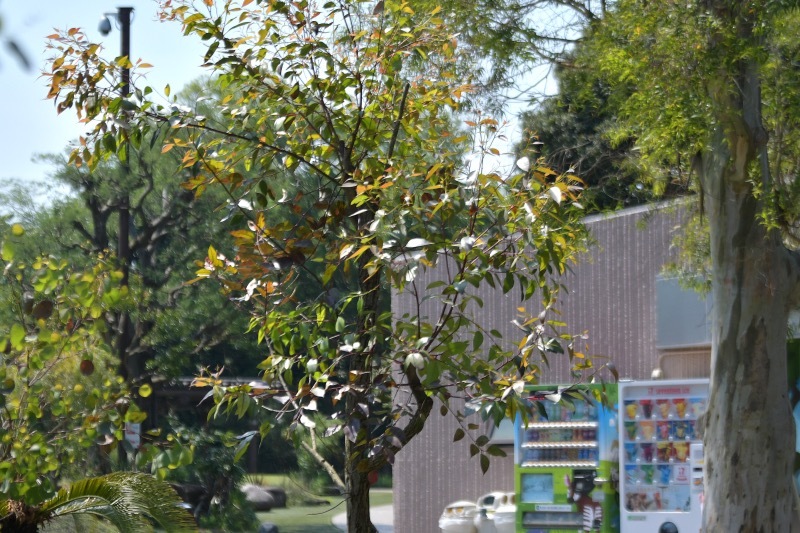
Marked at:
<point>29,124</point>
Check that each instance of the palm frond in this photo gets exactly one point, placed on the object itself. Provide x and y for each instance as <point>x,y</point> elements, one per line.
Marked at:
<point>126,499</point>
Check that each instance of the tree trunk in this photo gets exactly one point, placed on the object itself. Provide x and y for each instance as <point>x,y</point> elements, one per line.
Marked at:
<point>749,435</point>
<point>749,428</point>
<point>358,519</point>
<point>21,518</point>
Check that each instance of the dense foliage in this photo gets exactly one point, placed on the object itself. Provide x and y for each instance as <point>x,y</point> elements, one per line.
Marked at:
<point>54,408</point>
<point>357,104</point>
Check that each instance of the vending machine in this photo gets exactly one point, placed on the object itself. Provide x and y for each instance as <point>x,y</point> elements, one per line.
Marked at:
<point>661,455</point>
<point>566,464</point>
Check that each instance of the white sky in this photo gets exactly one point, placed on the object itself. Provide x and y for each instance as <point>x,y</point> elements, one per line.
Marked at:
<point>29,124</point>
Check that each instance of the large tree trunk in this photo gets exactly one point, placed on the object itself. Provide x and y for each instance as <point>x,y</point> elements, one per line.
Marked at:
<point>749,428</point>
<point>749,436</point>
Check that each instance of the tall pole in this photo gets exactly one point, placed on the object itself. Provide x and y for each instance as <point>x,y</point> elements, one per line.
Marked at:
<point>127,370</point>
<point>123,242</point>
<point>124,17</point>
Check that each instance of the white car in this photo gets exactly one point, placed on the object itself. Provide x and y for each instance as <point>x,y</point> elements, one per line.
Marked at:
<point>496,513</point>
<point>458,517</point>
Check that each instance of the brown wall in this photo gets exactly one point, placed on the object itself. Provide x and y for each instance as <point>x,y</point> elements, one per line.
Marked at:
<point>612,296</point>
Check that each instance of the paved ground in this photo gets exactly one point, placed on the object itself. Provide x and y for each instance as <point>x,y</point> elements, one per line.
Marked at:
<point>382,518</point>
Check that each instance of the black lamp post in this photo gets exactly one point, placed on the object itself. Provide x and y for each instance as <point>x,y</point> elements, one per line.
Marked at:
<point>123,16</point>
<point>127,371</point>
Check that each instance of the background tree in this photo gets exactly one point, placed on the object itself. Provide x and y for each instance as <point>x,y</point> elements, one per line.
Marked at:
<point>574,130</point>
<point>61,408</point>
<point>174,329</point>
<point>53,328</point>
<point>512,46</point>
<point>357,102</point>
<point>168,228</point>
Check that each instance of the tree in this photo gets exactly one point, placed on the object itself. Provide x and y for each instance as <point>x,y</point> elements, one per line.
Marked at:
<point>716,81</point>
<point>54,407</point>
<point>62,406</point>
<point>506,40</point>
<point>173,329</point>
<point>713,92</point>
<point>168,228</point>
<point>572,131</point>
<point>358,103</point>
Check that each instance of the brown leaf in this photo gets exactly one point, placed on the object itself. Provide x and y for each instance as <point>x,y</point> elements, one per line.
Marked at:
<point>42,309</point>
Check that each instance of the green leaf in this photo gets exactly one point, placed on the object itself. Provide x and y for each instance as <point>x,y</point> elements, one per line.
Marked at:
<point>484,463</point>
<point>7,252</point>
<point>459,434</point>
<point>508,282</point>
<point>496,451</point>
<point>477,340</point>
<point>125,499</point>
<point>17,336</point>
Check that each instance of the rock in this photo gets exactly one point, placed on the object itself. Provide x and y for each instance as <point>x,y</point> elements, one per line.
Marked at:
<point>278,494</point>
<point>266,527</point>
<point>259,498</point>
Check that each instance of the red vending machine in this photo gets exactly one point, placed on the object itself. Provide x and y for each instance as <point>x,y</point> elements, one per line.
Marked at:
<point>657,436</point>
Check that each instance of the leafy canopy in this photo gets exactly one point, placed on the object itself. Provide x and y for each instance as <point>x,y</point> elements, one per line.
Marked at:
<point>357,105</point>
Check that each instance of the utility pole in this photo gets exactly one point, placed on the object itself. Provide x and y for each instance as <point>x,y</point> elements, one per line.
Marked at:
<point>126,369</point>
<point>123,16</point>
<point>123,245</point>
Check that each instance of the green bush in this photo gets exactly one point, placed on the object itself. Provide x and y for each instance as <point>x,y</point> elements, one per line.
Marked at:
<point>220,505</point>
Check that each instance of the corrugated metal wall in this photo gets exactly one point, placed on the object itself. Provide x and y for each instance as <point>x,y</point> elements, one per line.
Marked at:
<point>612,297</point>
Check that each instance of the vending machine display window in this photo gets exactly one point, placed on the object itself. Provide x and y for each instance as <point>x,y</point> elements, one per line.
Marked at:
<point>566,457</point>
<point>658,429</point>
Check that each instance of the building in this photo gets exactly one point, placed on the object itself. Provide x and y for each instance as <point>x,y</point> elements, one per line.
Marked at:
<point>637,318</point>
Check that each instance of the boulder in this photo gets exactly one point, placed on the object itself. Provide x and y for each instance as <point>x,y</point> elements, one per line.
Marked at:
<point>259,498</point>
<point>278,494</point>
<point>266,527</point>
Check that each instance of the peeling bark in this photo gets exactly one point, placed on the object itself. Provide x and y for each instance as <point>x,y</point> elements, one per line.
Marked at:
<point>748,432</point>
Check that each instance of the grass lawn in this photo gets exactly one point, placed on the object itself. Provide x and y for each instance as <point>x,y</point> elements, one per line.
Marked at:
<point>316,518</point>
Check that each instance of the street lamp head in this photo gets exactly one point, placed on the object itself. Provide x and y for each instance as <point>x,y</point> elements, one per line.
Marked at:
<point>104,27</point>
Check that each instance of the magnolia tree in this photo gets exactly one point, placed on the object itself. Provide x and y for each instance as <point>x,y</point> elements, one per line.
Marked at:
<point>348,172</point>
